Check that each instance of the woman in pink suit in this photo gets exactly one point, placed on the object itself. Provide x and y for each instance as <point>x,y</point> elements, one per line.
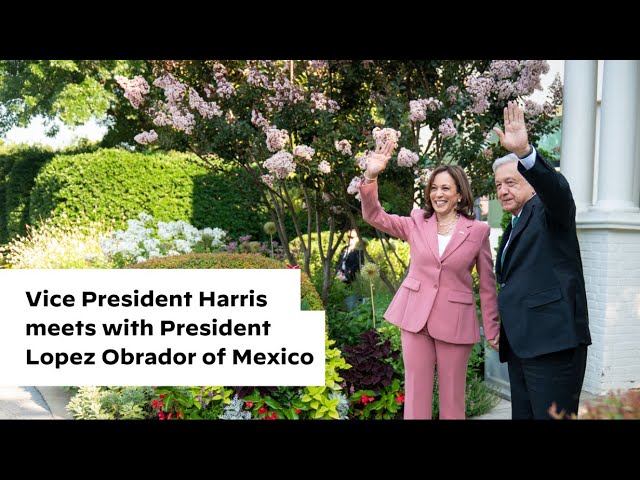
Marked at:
<point>435,307</point>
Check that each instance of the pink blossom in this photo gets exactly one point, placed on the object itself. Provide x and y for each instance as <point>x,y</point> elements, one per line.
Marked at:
<point>479,88</point>
<point>446,128</point>
<point>276,139</point>
<point>407,158</point>
<point>303,151</point>
<point>146,137</point>
<point>281,164</point>
<point>134,89</point>
<point>268,180</point>
<point>259,121</point>
<point>452,93</point>
<point>225,88</point>
<point>206,109</point>
<point>321,102</point>
<point>418,108</point>
<point>354,186</point>
<point>384,135</point>
<point>422,176</point>
<point>173,89</point>
<point>504,69</point>
<point>256,78</point>
<point>324,167</point>
<point>344,147</point>
<point>416,111</point>
<point>530,75</point>
<point>556,90</point>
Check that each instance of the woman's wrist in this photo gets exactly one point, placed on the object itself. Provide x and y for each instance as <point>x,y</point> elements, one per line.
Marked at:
<point>370,178</point>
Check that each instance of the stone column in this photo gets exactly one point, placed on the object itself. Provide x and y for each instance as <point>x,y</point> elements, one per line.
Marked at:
<point>578,128</point>
<point>617,136</point>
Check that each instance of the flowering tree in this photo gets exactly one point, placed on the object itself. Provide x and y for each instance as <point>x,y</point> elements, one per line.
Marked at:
<point>303,130</point>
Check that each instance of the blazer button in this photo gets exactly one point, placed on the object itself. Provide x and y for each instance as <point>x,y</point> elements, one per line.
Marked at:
<point>502,285</point>
<point>435,285</point>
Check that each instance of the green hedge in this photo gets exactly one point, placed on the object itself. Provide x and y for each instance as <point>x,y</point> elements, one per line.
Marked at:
<point>19,167</point>
<point>310,298</point>
<point>116,185</point>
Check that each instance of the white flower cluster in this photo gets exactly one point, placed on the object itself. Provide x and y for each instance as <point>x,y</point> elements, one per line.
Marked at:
<point>144,240</point>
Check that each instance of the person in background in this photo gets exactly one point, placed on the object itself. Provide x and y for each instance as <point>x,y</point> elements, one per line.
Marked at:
<point>543,303</point>
<point>350,259</point>
<point>435,306</point>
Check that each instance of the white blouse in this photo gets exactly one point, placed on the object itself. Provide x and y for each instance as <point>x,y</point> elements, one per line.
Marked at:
<point>443,241</point>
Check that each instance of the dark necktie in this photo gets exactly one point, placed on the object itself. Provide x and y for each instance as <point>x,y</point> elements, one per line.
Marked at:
<point>514,221</point>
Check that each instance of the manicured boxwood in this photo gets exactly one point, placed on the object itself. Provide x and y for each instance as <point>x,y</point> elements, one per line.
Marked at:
<point>116,185</point>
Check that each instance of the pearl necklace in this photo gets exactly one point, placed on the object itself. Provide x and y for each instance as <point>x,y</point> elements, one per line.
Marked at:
<point>451,224</point>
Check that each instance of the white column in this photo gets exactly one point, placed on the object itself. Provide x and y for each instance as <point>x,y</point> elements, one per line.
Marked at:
<point>617,136</point>
<point>636,177</point>
<point>578,128</point>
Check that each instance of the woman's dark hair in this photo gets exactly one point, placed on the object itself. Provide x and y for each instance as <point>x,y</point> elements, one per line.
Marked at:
<point>465,206</point>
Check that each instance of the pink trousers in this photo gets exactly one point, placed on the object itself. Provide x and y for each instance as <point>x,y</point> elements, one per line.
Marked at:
<point>421,353</point>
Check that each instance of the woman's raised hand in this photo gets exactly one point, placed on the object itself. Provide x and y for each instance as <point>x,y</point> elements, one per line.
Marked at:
<point>378,161</point>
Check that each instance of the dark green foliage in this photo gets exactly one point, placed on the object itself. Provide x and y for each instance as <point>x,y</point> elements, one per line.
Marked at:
<point>18,169</point>
<point>116,185</point>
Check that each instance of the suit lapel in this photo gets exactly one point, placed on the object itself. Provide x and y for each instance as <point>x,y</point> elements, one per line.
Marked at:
<point>458,235</point>
<point>431,232</point>
<point>523,220</point>
<point>503,242</point>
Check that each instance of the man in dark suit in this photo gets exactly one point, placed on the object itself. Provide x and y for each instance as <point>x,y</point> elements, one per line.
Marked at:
<point>351,259</point>
<point>544,330</point>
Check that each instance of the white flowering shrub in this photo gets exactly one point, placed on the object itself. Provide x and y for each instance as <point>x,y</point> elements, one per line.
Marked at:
<point>145,239</point>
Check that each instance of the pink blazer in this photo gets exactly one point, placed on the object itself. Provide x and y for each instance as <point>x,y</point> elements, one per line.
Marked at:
<point>438,291</point>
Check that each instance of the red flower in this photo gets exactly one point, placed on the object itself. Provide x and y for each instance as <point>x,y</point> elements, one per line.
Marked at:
<point>364,399</point>
<point>298,411</point>
<point>262,410</point>
<point>249,404</point>
<point>371,399</point>
<point>169,416</point>
<point>161,415</point>
<point>295,267</point>
<point>400,397</point>
<point>179,415</point>
<point>161,396</point>
<point>274,416</point>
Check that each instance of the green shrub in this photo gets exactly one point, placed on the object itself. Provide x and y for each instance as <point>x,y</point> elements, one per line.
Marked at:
<point>109,403</point>
<point>232,261</point>
<point>114,184</point>
<point>19,167</point>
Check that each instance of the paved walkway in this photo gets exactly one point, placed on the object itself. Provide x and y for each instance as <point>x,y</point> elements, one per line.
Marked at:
<point>34,403</point>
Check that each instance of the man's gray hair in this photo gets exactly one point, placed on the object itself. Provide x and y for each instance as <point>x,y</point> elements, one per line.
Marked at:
<point>512,157</point>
